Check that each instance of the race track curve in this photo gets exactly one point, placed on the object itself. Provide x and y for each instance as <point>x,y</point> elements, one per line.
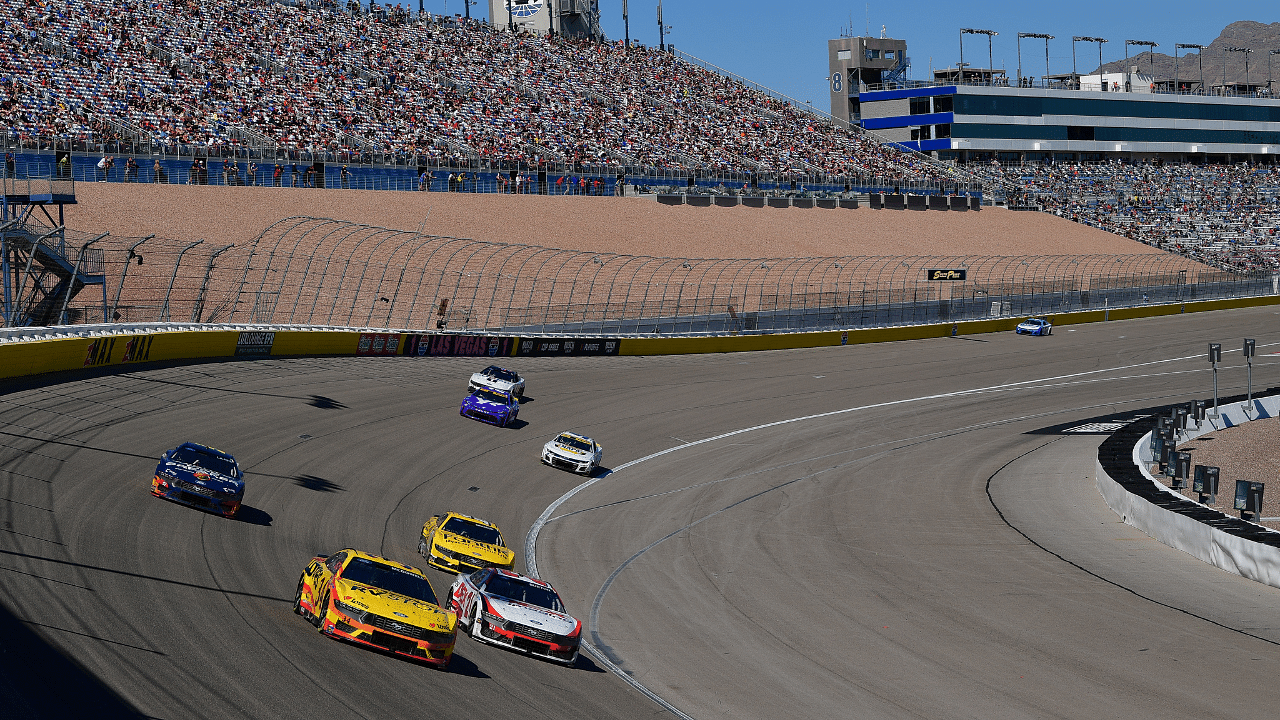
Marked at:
<point>939,552</point>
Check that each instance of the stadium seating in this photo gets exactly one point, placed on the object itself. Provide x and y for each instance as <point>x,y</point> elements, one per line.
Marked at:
<point>350,83</point>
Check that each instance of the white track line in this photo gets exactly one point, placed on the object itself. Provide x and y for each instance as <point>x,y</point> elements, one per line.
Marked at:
<point>531,540</point>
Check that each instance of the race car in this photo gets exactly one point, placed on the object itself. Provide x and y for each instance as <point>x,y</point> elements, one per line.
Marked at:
<point>376,602</point>
<point>573,452</point>
<point>454,542</point>
<point>505,608</point>
<point>496,378</point>
<point>1034,326</point>
<point>200,476</point>
<point>491,406</point>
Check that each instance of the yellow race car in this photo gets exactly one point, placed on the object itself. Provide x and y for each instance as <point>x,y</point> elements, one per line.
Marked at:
<point>457,543</point>
<point>380,603</point>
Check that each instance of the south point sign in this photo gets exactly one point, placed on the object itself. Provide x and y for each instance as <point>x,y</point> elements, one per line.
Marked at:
<point>945,274</point>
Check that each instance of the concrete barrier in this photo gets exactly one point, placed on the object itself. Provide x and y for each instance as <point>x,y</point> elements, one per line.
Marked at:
<point>959,203</point>
<point>754,201</point>
<point>938,202</point>
<point>876,201</point>
<point>802,203</point>
<point>698,200</point>
<point>828,203</point>
<point>895,202</point>
<point>671,199</point>
<point>1230,551</point>
<point>850,203</point>
<point>917,202</point>
<point>779,202</point>
<point>727,201</point>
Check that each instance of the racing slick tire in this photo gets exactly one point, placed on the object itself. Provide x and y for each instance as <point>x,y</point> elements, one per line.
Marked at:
<point>322,609</point>
<point>422,546</point>
<point>297,599</point>
<point>1050,332</point>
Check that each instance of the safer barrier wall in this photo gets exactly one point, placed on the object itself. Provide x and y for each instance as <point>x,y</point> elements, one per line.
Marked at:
<point>1229,543</point>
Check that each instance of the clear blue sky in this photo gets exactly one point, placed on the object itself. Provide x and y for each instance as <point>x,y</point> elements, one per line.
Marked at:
<point>782,44</point>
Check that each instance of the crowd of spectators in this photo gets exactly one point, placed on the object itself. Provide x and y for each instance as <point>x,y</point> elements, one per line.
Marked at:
<point>1224,215</point>
<point>338,77</point>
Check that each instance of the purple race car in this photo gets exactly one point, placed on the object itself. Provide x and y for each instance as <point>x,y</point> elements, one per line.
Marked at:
<point>491,406</point>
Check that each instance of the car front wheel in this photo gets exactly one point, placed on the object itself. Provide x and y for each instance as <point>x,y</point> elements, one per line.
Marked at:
<point>297,598</point>
<point>476,620</point>
<point>322,609</point>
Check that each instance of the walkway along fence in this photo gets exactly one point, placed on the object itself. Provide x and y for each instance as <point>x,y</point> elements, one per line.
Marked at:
<point>305,270</point>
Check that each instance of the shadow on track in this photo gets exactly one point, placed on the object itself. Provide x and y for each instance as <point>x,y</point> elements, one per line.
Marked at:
<point>319,484</point>
<point>39,681</point>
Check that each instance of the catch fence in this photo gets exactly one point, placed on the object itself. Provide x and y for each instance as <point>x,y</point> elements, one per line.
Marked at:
<point>306,270</point>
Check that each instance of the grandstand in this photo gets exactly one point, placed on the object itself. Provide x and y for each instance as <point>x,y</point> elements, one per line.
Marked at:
<point>332,83</point>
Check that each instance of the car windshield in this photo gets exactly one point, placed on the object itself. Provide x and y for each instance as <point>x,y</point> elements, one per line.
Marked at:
<point>502,374</point>
<point>473,530</point>
<point>524,591</point>
<point>574,442</point>
<point>1035,321</point>
<point>389,578</point>
<point>204,459</point>
<point>491,395</point>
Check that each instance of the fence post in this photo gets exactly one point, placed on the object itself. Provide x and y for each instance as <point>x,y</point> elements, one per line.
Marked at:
<point>71,281</point>
<point>164,313</point>
<point>199,307</point>
<point>132,254</point>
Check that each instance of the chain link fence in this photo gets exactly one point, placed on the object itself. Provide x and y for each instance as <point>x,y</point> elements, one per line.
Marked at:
<point>306,270</point>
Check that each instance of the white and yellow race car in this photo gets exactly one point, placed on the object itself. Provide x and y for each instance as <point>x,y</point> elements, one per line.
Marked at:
<point>376,602</point>
<point>457,543</point>
<point>573,452</point>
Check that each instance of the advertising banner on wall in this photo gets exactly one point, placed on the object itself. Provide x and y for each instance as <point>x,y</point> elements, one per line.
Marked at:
<point>458,345</point>
<point>372,344</point>
<point>544,347</point>
<point>250,343</point>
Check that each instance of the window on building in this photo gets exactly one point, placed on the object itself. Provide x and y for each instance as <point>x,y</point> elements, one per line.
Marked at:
<point>873,54</point>
<point>1079,132</point>
<point>888,54</point>
<point>943,103</point>
<point>920,133</point>
<point>942,131</point>
<point>844,54</point>
<point>920,106</point>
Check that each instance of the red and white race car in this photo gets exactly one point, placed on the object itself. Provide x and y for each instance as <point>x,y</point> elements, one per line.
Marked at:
<point>505,608</point>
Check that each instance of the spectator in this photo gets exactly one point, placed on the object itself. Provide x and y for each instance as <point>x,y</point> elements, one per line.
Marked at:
<point>104,168</point>
<point>161,175</point>
<point>346,178</point>
<point>251,173</point>
<point>10,165</point>
<point>275,175</point>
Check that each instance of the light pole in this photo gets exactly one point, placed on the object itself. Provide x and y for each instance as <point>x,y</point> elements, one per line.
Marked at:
<point>1151,54</point>
<point>1226,50</point>
<point>990,58</point>
<point>1270,92</point>
<point>1084,38</point>
<point>1199,58</point>
<point>662,29</point>
<point>1246,52</point>
<point>1043,36</point>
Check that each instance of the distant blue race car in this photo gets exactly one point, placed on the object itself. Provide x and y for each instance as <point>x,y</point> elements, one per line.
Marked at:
<point>1034,326</point>
<point>491,406</point>
<point>202,477</point>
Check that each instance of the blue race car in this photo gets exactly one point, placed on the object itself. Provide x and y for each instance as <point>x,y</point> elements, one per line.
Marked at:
<point>201,477</point>
<point>1034,326</point>
<point>491,406</point>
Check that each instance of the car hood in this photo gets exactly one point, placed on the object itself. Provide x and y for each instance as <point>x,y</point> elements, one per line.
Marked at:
<point>200,476</point>
<point>474,402</point>
<point>479,379</point>
<point>532,615</point>
<point>484,551</point>
<point>393,606</point>
<point>566,451</point>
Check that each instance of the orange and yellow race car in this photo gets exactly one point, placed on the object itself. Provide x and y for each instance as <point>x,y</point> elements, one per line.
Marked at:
<point>457,543</point>
<point>373,601</point>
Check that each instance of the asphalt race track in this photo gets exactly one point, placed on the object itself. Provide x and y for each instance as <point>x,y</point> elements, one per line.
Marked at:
<point>939,553</point>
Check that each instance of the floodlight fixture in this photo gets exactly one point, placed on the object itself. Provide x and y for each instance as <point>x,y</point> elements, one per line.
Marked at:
<point>1046,37</point>
<point>990,58</point>
<point>1086,38</point>
<point>1199,57</point>
<point>1246,52</point>
<point>1151,54</point>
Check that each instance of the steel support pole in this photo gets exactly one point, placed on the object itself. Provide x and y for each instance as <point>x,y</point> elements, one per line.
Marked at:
<point>120,288</point>
<point>164,313</point>
<point>208,272</point>
<point>22,284</point>
<point>71,282</point>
